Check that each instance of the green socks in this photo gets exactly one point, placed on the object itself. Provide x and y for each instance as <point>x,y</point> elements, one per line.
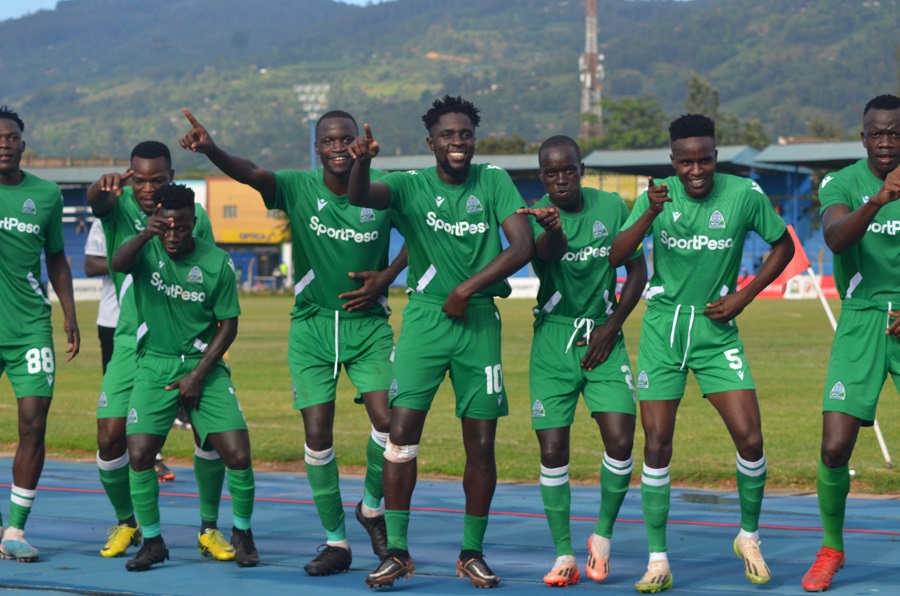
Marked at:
<point>373,491</point>
<point>833,485</point>
<point>615,476</point>
<point>21,500</point>
<point>242,487</point>
<point>473,532</point>
<point>655,493</point>
<point>397,523</point>
<point>209,470</point>
<point>114,478</point>
<point>751,484</point>
<point>556,495</point>
<point>322,474</point>
<point>145,496</point>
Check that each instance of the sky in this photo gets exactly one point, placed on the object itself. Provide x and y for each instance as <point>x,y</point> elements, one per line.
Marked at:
<point>12,9</point>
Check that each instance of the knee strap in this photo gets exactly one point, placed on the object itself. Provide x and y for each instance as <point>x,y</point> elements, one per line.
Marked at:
<point>400,454</point>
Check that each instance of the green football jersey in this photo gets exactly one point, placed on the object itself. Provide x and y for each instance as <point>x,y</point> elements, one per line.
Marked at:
<point>120,224</point>
<point>866,271</point>
<point>182,301</point>
<point>331,238</point>
<point>698,244</point>
<point>452,231</point>
<point>582,283</point>
<point>30,223</point>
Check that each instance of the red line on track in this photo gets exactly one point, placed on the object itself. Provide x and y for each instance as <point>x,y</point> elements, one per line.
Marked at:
<point>677,522</point>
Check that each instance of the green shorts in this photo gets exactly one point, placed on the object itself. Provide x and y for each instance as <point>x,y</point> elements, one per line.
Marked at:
<point>431,344</point>
<point>152,409</point>
<point>365,344</point>
<point>557,377</point>
<point>861,357</point>
<point>30,366</point>
<point>115,392</point>
<point>674,342</point>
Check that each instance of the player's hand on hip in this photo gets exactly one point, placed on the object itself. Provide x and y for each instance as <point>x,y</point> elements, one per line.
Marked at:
<point>456,304</point>
<point>114,182</point>
<point>364,146</point>
<point>189,390</point>
<point>198,138</point>
<point>894,327</point>
<point>726,308</point>
<point>603,338</point>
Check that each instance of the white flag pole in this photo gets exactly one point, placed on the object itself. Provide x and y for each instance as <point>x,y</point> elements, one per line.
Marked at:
<point>831,319</point>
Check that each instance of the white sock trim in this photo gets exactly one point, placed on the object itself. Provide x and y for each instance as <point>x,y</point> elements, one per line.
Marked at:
<point>22,496</point>
<point>379,437</point>
<point>318,458</point>
<point>655,476</point>
<point>622,468</point>
<point>109,466</point>
<point>751,468</point>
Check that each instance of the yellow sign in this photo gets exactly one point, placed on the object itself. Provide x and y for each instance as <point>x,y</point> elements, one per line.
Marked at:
<point>239,215</point>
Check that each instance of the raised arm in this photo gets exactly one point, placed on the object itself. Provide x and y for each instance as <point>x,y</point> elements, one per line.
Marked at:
<point>513,258</point>
<point>60,275</point>
<point>843,228</point>
<point>551,245</point>
<point>126,255</point>
<point>238,168</point>
<point>628,240</point>
<point>361,191</point>
<point>103,193</point>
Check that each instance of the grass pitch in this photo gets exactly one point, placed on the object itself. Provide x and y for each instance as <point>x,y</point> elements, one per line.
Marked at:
<point>787,345</point>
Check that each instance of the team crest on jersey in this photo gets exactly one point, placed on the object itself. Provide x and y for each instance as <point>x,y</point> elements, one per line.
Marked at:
<point>716,221</point>
<point>195,275</point>
<point>473,205</point>
<point>537,410</point>
<point>439,201</point>
<point>366,215</point>
<point>322,203</point>
<point>643,381</point>
<point>138,225</point>
<point>102,402</point>
<point>838,392</point>
<point>28,207</point>
<point>392,392</point>
<point>600,230</point>
<point>132,417</point>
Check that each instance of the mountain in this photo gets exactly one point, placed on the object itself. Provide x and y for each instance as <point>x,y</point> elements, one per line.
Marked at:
<point>93,77</point>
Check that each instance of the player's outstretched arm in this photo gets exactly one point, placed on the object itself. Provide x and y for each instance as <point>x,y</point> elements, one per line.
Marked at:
<point>374,283</point>
<point>235,167</point>
<point>60,275</point>
<point>95,266</point>
<point>190,386</point>
<point>126,255</point>
<point>551,245</point>
<point>628,240</point>
<point>103,193</point>
<point>361,191</point>
<point>511,259</point>
<point>731,305</point>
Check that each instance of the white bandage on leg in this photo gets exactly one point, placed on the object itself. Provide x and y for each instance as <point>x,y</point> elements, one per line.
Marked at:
<point>210,455</point>
<point>400,454</point>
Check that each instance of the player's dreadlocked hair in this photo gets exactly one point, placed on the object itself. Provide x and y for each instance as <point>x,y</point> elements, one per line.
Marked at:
<point>691,125</point>
<point>174,197</point>
<point>450,105</point>
<point>152,150</point>
<point>335,114</point>
<point>882,102</point>
<point>8,114</point>
<point>559,141</point>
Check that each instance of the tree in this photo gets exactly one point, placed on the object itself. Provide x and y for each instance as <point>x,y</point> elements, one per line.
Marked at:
<point>505,145</point>
<point>703,98</point>
<point>630,123</point>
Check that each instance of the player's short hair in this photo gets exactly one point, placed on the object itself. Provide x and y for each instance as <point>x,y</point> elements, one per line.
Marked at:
<point>174,197</point>
<point>559,141</point>
<point>152,150</point>
<point>336,114</point>
<point>451,105</point>
<point>8,114</point>
<point>883,102</point>
<point>691,125</point>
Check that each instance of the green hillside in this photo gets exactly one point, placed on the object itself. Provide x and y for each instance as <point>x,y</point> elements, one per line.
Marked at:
<point>93,77</point>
